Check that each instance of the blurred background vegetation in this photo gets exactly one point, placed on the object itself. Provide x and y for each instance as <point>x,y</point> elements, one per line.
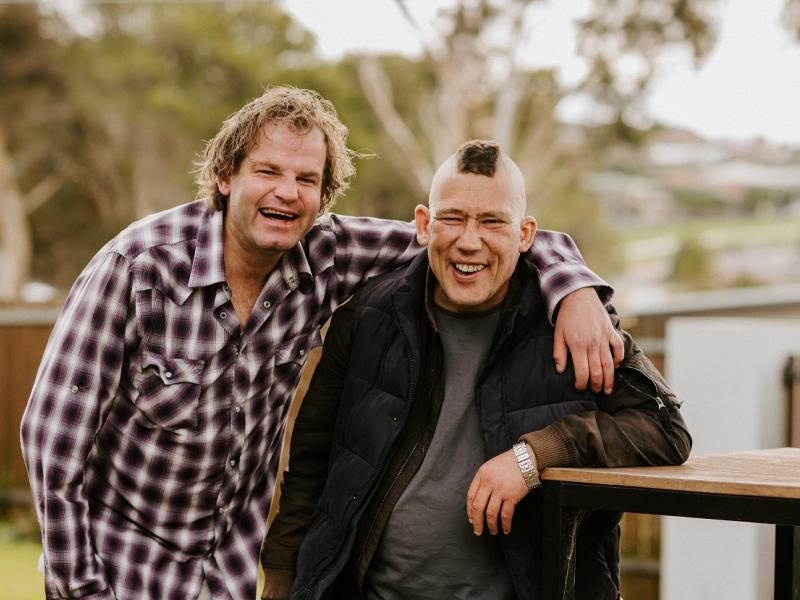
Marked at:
<point>105,106</point>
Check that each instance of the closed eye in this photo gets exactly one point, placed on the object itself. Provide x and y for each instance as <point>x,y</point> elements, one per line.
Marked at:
<point>450,220</point>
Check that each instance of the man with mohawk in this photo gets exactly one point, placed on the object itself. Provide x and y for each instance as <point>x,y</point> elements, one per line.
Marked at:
<point>435,405</point>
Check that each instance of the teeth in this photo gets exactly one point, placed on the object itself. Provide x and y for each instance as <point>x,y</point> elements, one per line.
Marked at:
<point>468,268</point>
<point>271,212</point>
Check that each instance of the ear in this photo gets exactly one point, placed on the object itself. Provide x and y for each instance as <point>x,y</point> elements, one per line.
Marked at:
<point>422,220</point>
<point>527,230</point>
<point>224,185</point>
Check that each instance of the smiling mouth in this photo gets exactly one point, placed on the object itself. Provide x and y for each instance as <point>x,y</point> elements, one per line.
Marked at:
<point>278,215</point>
<point>466,269</point>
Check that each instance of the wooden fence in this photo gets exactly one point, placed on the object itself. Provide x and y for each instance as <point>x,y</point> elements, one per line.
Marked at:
<point>23,335</point>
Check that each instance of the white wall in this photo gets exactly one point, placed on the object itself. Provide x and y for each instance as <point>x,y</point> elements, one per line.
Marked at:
<point>729,374</point>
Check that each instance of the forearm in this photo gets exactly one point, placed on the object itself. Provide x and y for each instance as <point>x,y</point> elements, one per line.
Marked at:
<point>366,247</point>
<point>638,424</point>
<point>596,439</point>
<point>562,269</point>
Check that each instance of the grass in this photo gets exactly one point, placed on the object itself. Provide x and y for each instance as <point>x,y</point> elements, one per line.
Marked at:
<point>19,578</point>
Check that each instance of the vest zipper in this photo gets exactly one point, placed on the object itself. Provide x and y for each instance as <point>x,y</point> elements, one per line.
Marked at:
<point>663,411</point>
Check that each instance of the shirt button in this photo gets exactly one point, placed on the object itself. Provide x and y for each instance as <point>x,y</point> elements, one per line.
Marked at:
<point>222,315</point>
<point>168,374</point>
<point>267,304</point>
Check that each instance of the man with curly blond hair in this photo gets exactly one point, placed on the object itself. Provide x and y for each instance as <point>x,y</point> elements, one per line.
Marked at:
<point>153,431</point>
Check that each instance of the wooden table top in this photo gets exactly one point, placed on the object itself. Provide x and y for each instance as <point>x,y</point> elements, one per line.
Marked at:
<point>773,473</point>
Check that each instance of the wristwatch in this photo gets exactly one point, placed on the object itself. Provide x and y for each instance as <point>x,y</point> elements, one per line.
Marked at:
<point>526,465</point>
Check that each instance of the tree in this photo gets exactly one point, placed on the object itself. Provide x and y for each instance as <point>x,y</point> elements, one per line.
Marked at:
<point>31,114</point>
<point>476,84</point>
<point>102,126</point>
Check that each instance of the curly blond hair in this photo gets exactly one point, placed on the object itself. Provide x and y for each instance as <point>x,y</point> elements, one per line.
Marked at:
<point>300,109</point>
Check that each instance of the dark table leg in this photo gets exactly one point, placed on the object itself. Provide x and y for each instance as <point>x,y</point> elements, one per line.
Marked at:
<point>787,562</point>
<point>559,532</point>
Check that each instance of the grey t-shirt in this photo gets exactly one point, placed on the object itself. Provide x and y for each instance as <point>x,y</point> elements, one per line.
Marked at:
<point>428,549</point>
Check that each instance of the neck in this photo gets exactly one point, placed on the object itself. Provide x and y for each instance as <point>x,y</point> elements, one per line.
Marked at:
<point>246,265</point>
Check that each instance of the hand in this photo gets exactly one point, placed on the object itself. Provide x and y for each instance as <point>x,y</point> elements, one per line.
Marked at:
<point>583,326</point>
<point>496,489</point>
<point>277,584</point>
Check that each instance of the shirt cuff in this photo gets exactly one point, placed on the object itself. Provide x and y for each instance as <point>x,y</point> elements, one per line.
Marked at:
<point>560,279</point>
<point>550,448</point>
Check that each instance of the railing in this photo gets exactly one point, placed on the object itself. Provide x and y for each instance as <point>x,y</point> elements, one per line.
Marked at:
<point>791,380</point>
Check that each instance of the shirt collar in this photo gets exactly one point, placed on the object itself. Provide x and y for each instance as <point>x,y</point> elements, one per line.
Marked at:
<point>208,266</point>
<point>295,269</point>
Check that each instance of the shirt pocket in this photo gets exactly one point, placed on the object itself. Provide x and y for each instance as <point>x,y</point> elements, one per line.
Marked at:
<point>169,391</point>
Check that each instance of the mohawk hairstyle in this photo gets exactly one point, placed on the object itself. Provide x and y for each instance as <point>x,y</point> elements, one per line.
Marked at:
<point>479,157</point>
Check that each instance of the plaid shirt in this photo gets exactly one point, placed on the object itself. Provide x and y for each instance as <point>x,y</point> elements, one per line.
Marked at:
<point>153,432</point>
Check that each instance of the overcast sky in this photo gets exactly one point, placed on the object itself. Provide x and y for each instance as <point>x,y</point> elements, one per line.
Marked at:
<point>748,87</point>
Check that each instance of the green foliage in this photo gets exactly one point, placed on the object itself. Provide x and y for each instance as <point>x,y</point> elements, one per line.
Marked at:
<point>693,267</point>
<point>697,203</point>
<point>117,110</point>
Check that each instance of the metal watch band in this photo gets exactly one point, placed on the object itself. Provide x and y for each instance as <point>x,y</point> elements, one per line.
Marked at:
<point>525,463</point>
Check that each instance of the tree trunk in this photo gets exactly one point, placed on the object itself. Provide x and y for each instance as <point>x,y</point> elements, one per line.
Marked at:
<point>15,232</point>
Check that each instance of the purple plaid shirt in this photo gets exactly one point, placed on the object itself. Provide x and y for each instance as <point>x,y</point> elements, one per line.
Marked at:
<point>153,431</point>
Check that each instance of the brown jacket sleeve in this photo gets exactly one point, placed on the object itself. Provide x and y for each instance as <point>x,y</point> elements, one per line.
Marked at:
<point>638,424</point>
<point>309,450</point>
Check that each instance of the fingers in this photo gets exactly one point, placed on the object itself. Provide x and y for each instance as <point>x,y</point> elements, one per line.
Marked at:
<point>607,361</point>
<point>618,348</point>
<point>560,350</point>
<point>506,515</point>
<point>471,492</point>
<point>580,362</point>
<point>595,368</point>
<point>478,508</point>
<point>493,512</point>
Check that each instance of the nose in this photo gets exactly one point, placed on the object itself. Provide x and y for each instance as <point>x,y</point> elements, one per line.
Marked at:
<point>286,189</point>
<point>470,237</point>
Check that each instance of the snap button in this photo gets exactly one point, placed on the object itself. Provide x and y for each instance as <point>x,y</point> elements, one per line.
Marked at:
<point>232,462</point>
<point>267,304</point>
<point>168,374</point>
<point>302,352</point>
<point>237,409</point>
<point>292,279</point>
<point>222,315</point>
<point>74,389</point>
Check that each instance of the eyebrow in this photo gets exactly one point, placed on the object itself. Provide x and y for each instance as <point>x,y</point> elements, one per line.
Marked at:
<point>264,163</point>
<point>459,212</point>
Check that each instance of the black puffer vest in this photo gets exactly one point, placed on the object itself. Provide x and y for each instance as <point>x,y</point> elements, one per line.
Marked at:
<point>517,392</point>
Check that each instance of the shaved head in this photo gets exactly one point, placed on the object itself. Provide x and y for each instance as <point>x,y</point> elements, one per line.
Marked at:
<point>483,158</point>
